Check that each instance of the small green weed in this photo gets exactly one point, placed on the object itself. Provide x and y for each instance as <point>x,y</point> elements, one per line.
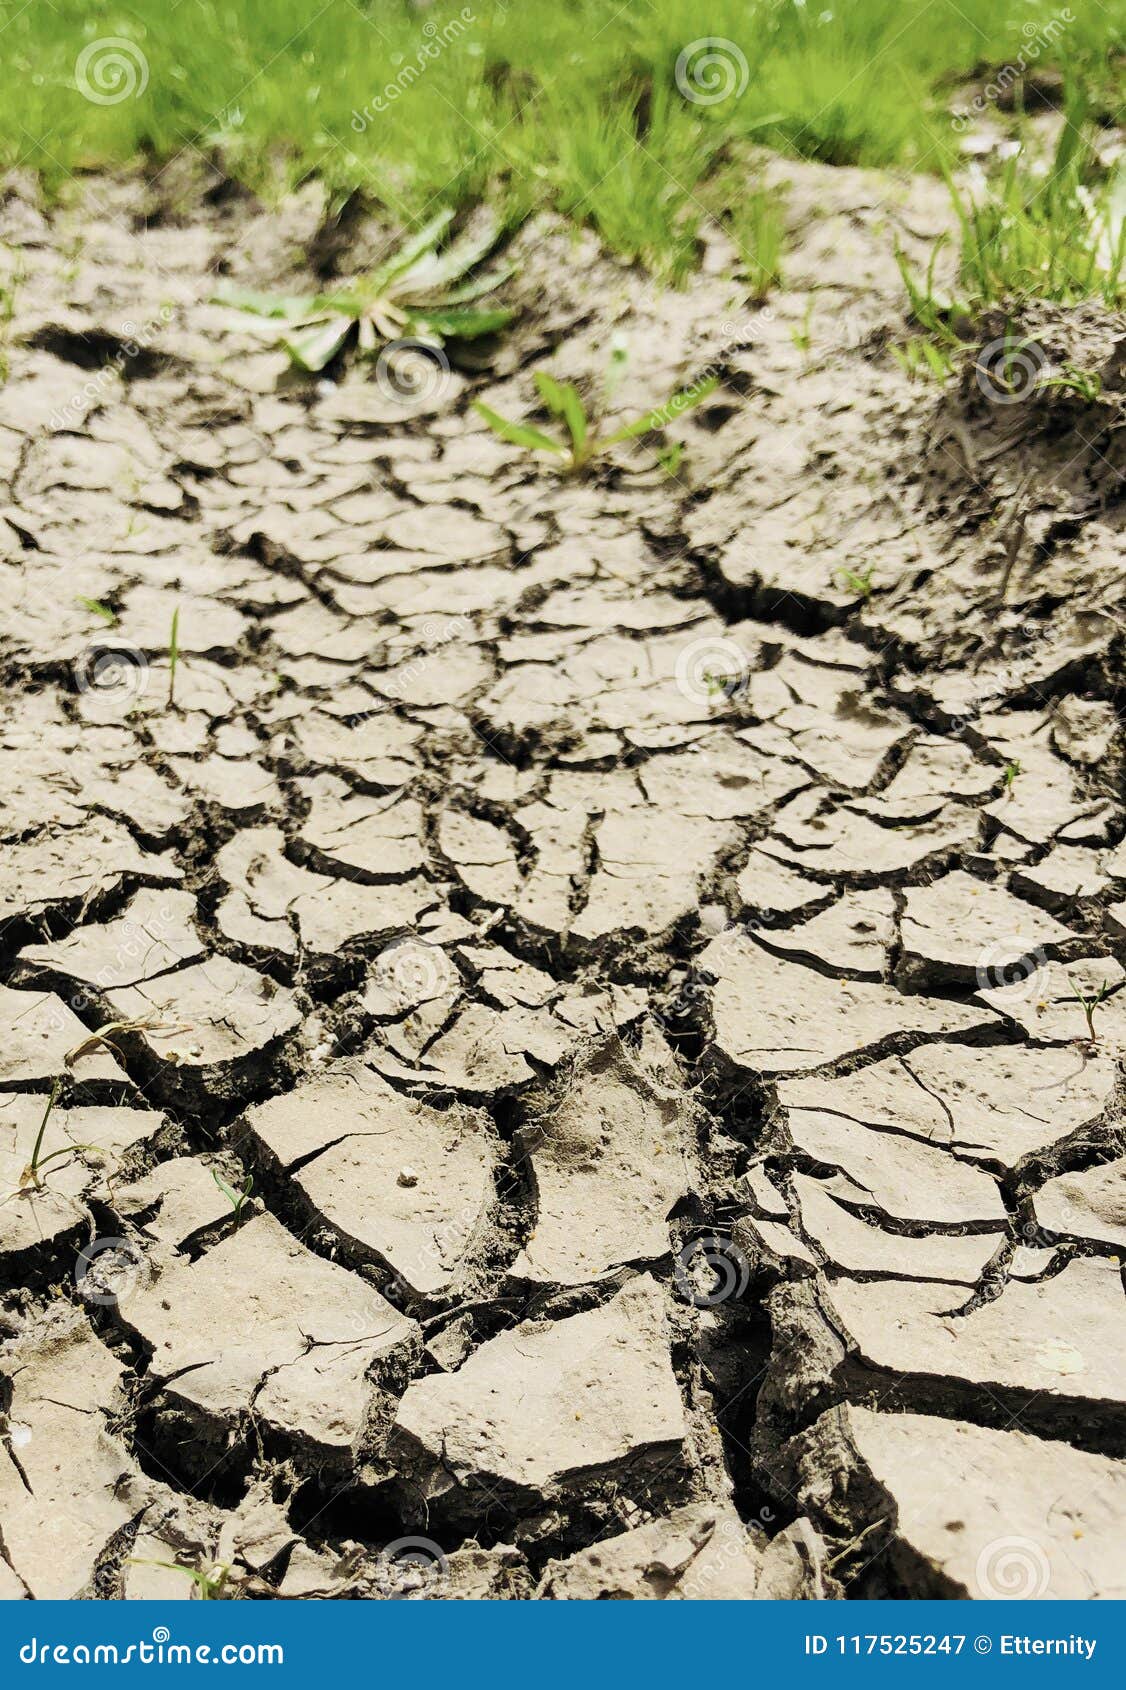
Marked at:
<point>858,581</point>
<point>1058,236</point>
<point>669,457</point>
<point>938,317</point>
<point>1090,1001</point>
<point>754,220</point>
<point>721,685</point>
<point>424,290</point>
<point>237,1198</point>
<point>1071,379</point>
<point>802,335</point>
<point>1011,366</point>
<point>31,1176</point>
<point>584,442</point>
<point>211,1582</point>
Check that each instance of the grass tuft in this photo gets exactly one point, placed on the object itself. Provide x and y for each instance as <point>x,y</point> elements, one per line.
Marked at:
<point>1058,234</point>
<point>426,290</point>
<point>582,440</point>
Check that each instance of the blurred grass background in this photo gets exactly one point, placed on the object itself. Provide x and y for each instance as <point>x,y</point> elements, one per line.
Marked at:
<point>570,103</point>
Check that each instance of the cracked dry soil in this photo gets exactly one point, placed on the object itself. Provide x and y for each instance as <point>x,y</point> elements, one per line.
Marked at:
<point>600,1104</point>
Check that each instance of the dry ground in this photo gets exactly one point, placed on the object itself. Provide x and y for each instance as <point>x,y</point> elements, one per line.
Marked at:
<point>630,933</point>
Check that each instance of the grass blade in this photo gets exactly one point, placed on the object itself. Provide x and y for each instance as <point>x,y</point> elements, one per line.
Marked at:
<point>410,251</point>
<point>33,1165</point>
<point>562,400</point>
<point>517,434</point>
<point>290,306</point>
<point>97,609</point>
<point>433,272</point>
<point>685,400</point>
<point>476,288</point>
<point>173,654</point>
<point>311,349</point>
<point>457,324</point>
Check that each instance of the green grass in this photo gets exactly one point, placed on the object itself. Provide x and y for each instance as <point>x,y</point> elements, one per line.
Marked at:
<point>96,608</point>
<point>1089,1001</point>
<point>1059,235</point>
<point>754,219</point>
<point>210,1581</point>
<point>858,581</point>
<point>579,439</point>
<point>569,103</point>
<point>173,655</point>
<point>1051,231</point>
<point>924,359</point>
<point>418,290</point>
<point>236,1197</point>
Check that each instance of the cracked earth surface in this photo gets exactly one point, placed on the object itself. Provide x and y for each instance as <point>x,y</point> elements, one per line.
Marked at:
<point>599,1084</point>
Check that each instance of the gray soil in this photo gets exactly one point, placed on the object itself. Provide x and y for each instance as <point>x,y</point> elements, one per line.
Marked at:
<point>599,1102</point>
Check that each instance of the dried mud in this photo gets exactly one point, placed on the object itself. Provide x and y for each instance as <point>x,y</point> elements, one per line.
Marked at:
<point>601,1104</point>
